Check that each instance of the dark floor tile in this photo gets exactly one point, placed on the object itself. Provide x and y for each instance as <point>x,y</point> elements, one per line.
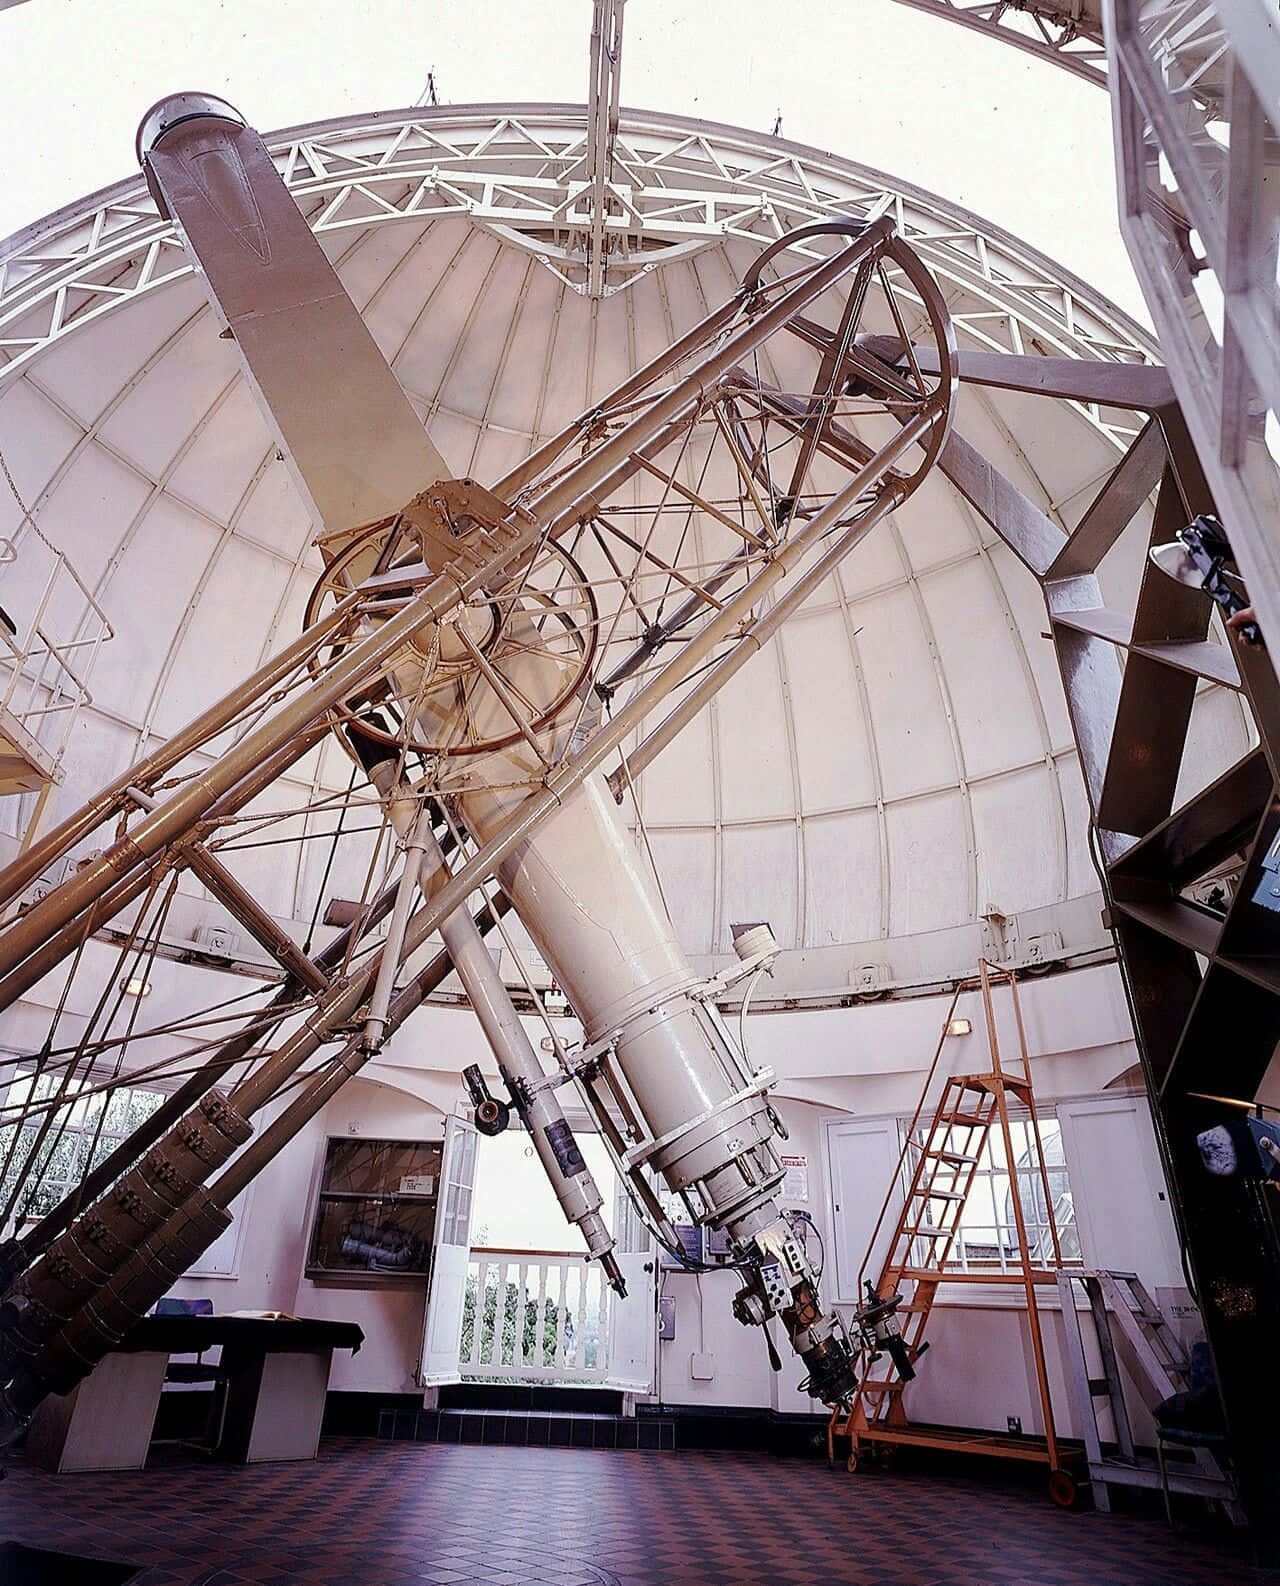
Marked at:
<point>387,1513</point>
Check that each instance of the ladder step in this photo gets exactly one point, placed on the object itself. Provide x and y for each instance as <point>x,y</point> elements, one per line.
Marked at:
<point>966,1120</point>
<point>957,1158</point>
<point>882,1386</point>
<point>937,1194</point>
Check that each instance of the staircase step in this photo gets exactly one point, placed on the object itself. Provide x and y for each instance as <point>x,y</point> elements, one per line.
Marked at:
<point>540,1429</point>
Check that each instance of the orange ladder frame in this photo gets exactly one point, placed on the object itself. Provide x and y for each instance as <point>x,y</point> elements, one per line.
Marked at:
<point>971,1104</point>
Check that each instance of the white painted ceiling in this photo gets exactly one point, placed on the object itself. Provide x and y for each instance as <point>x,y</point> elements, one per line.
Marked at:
<point>895,766</point>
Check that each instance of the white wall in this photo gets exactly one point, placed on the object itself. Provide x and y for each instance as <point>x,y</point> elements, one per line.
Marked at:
<point>272,1247</point>
<point>862,1062</point>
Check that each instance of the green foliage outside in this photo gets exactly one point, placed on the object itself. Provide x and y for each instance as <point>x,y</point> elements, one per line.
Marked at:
<point>539,1324</point>
<point>76,1136</point>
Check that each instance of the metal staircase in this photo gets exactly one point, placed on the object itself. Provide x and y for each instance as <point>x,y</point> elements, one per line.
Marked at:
<point>1128,1322</point>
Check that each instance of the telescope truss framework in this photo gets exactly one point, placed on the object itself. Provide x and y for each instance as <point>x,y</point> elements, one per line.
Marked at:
<point>1190,970</point>
<point>695,184</point>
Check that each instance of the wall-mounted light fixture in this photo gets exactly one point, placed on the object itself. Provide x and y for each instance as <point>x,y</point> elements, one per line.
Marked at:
<point>959,1027</point>
<point>136,988</point>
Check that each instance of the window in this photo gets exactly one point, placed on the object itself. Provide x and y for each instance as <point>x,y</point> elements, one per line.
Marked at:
<point>515,1206</point>
<point>986,1231</point>
<point>69,1137</point>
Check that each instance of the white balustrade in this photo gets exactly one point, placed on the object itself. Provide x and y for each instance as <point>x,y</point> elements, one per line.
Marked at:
<point>534,1316</point>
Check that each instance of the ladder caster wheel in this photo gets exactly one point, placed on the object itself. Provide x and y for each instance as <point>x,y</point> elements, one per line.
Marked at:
<point>851,1464</point>
<point>1063,1489</point>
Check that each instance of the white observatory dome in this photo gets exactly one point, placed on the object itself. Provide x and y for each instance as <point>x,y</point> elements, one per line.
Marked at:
<point>889,783</point>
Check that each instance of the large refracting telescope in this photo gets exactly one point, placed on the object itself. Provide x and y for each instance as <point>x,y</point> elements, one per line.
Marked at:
<point>499,660</point>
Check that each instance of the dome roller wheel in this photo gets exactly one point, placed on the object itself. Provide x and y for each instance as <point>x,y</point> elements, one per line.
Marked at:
<point>1064,1490</point>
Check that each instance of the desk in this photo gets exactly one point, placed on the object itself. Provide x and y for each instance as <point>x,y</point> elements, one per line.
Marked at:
<point>277,1374</point>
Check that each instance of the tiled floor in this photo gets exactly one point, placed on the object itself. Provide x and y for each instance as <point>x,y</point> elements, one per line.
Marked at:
<point>390,1514</point>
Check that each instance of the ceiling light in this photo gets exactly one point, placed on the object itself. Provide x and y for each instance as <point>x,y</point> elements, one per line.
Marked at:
<point>959,1027</point>
<point>136,988</point>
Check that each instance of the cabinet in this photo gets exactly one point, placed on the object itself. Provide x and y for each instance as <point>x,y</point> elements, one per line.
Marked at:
<point>376,1209</point>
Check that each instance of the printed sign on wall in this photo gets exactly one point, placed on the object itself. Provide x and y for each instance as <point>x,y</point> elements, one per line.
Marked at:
<point>795,1187</point>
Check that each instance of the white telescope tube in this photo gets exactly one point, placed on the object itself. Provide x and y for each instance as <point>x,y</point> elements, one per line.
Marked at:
<point>593,908</point>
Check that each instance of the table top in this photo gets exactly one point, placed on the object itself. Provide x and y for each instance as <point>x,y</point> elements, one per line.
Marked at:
<point>181,1335</point>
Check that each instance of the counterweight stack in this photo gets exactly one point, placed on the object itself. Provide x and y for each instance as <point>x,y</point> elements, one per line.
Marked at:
<point>484,652</point>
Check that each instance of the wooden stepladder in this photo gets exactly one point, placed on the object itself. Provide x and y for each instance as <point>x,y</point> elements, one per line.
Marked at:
<point>938,1164</point>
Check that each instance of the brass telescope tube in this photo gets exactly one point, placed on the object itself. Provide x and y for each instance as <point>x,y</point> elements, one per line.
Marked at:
<point>92,1247</point>
<point>23,1250</point>
<point>112,798</point>
<point>575,770</point>
<point>130,886</point>
<point>564,502</point>
<point>143,1278</point>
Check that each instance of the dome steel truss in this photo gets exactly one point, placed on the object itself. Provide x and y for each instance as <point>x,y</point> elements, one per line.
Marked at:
<point>816,397</point>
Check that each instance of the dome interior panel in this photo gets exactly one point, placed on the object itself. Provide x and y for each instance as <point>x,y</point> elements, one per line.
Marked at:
<point>1082,877</point>
<point>474,367</point>
<point>88,370</point>
<point>1018,833</point>
<point>875,565</point>
<point>157,574</point>
<point>514,399</point>
<point>251,583</point>
<point>1019,588</point>
<point>759,880</point>
<point>89,513</point>
<point>224,455</point>
<point>369,263</point>
<point>442,301</point>
<point>274,516</point>
<point>495,454</point>
<point>834,755</point>
<point>1217,738</point>
<point>929,864</point>
<point>611,338</point>
<point>755,756</point>
<point>397,301</point>
<point>986,681</point>
<point>686,861</point>
<point>98,753</point>
<point>679,788</point>
<point>161,415</point>
<point>48,437</point>
<point>931,527</point>
<point>907,712</point>
<point>842,866</point>
<point>269,872</point>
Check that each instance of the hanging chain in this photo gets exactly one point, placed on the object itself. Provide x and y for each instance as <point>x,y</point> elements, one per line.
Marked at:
<point>27,516</point>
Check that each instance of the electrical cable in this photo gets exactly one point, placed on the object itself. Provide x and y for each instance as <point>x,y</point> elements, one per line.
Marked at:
<point>328,866</point>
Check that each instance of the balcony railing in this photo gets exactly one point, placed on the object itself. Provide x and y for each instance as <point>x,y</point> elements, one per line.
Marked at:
<point>534,1316</point>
